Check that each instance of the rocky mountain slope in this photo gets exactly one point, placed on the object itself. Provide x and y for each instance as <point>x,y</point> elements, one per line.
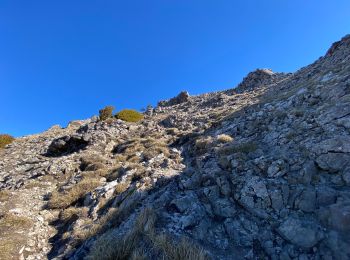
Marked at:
<point>261,171</point>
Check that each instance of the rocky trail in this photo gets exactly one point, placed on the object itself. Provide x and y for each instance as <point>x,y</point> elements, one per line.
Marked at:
<point>260,171</point>
<point>25,224</point>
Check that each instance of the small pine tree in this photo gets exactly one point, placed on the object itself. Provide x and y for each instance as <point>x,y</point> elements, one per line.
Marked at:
<point>106,112</point>
<point>5,139</point>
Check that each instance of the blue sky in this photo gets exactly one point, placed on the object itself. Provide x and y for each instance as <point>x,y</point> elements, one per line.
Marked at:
<point>64,60</point>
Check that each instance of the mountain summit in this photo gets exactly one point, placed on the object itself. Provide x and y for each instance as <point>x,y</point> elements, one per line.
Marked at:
<point>260,171</point>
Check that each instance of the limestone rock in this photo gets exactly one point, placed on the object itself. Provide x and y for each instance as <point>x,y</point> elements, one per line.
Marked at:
<point>301,233</point>
<point>278,190</point>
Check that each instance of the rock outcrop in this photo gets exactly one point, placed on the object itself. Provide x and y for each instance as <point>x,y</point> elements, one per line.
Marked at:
<point>261,171</point>
<point>183,97</point>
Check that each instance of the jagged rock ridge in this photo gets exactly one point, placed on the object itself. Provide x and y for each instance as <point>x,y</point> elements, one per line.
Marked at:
<point>260,171</point>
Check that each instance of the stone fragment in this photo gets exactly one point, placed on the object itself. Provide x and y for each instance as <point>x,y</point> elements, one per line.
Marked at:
<point>183,97</point>
<point>340,216</point>
<point>299,232</point>
<point>333,162</point>
<point>224,185</point>
<point>277,168</point>
<point>224,208</point>
<point>346,175</point>
<point>307,200</point>
<point>183,203</point>
<point>276,199</point>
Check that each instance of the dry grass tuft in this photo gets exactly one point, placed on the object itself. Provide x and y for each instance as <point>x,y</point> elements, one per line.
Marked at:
<point>94,228</point>
<point>141,149</point>
<point>92,163</point>
<point>110,247</point>
<point>121,187</point>
<point>202,144</point>
<point>73,212</point>
<point>12,228</point>
<point>4,195</point>
<point>172,131</point>
<point>112,218</point>
<point>120,158</point>
<point>178,250</point>
<point>223,138</point>
<point>234,148</point>
<point>62,200</point>
<point>142,241</point>
<point>9,248</point>
<point>13,221</point>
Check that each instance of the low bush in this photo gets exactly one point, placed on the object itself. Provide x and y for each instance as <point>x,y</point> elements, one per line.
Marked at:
<point>129,115</point>
<point>5,139</point>
<point>106,113</point>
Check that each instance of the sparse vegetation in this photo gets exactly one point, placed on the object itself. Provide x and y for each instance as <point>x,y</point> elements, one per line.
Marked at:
<point>141,149</point>
<point>234,148</point>
<point>62,200</point>
<point>178,250</point>
<point>71,212</point>
<point>4,195</point>
<point>92,163</point>
<point>10,248</point>
<point>121,187</point>
<point>5,139</point>
<point>129,115</point>
<point>14,221</point>
<point>143,241</point>
<point>202,144</point>
<point>172,131</point>
<point>224,138</point>
<point>106,112</point>
<point>154,148</point>
<point>12,228</point>
<point>120,158</point>
<point>112,218</point>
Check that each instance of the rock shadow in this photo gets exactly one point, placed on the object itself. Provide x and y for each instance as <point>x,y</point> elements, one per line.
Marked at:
<point>66,145</point>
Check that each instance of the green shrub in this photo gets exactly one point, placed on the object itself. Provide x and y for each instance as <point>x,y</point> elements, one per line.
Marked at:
<point>129,115</point>
<point>106,112</point>
<point>5,140</point>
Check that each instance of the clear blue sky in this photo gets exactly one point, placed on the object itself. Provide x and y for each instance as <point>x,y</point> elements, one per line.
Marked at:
<point>64,60</point>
